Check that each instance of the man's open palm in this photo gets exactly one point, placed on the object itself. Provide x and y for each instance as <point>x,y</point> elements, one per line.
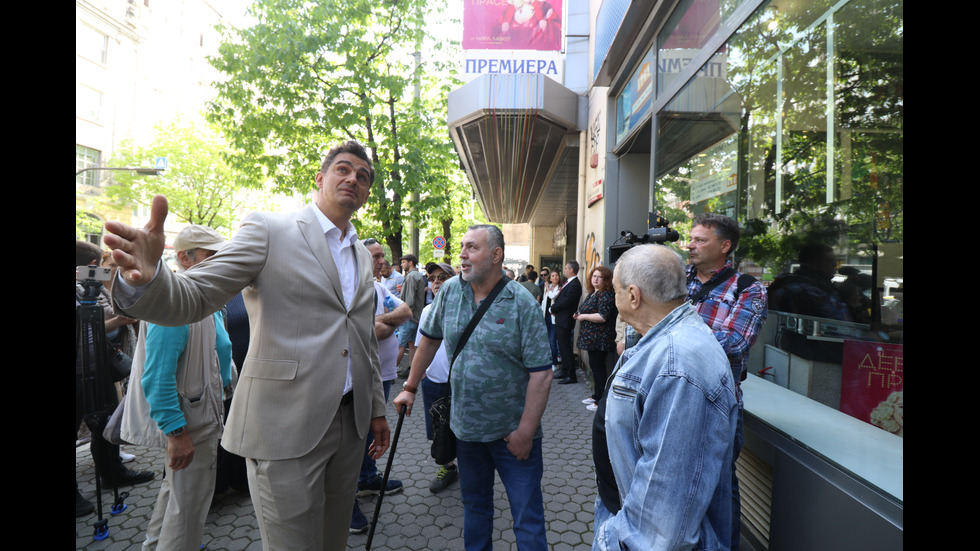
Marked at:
<point>137,251</point>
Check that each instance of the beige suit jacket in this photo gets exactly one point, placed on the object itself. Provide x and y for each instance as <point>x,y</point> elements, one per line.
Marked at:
<point>301,333</point>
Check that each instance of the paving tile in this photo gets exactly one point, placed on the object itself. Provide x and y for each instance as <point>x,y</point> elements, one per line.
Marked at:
<point>413,520</point>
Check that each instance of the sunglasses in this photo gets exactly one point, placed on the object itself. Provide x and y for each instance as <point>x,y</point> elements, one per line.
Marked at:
<point>440,277</point>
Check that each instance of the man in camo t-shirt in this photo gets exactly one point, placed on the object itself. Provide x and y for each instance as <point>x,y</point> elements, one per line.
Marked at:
<point>500,384</point>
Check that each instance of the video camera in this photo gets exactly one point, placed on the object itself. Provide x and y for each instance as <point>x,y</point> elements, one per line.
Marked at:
<point>659,232</point>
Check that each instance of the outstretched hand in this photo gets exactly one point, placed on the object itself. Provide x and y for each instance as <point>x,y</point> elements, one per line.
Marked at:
<point>137,251</point>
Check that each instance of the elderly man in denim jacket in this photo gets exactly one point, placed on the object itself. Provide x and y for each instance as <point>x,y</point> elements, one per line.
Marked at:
<point>664,430</point>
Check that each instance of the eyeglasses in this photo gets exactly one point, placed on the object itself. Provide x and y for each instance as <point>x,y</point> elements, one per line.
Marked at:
<point>440,277</point>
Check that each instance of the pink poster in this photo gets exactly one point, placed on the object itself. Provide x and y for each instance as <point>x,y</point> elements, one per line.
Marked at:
<point>512,24</point>
<point>872,386</point>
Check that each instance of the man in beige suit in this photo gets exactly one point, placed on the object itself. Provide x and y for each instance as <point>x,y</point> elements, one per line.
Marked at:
<point>310,388</point>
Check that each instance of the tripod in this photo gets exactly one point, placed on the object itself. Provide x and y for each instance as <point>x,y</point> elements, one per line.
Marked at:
<point>98,390</point>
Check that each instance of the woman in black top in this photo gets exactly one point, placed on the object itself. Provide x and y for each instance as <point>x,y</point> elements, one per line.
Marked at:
<point>597,331</point>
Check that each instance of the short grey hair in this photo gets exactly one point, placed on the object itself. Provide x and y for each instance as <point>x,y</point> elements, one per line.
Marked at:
<point>657,270</point>
<point>495,237</point>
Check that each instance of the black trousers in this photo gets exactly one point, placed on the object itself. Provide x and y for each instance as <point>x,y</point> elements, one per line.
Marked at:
<point>104,454</point>
<point>564,337</point>
<point>597,363</point>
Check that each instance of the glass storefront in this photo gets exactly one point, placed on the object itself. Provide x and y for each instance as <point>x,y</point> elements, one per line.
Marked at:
<point>794,127</point>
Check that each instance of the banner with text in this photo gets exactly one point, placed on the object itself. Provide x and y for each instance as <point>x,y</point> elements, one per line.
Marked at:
<point>491,62</point>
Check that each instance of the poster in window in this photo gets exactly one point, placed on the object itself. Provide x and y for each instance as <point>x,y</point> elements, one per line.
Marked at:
<point>872,386</point>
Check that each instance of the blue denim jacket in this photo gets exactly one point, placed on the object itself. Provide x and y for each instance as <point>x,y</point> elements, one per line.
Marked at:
<point>670,424</point>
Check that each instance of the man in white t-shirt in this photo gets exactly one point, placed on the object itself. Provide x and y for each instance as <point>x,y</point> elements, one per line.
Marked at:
<point>435,384</point>
<point>390,312</point>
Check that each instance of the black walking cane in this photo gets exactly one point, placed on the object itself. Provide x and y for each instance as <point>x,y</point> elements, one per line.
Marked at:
<point>384,480</point>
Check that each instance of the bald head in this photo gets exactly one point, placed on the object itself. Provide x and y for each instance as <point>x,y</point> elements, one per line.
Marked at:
<point>656,270</point>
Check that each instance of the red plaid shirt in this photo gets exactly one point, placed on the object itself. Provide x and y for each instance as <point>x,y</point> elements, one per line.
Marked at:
<point>736,321</point>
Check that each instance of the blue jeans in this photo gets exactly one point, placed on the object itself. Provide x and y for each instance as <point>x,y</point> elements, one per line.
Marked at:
<point>431,392</point>
<point>476,462</point>
<point>369,469</point>
<point>552,339</point>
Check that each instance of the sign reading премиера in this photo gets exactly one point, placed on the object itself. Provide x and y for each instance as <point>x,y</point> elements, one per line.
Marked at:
<point>492,62</point>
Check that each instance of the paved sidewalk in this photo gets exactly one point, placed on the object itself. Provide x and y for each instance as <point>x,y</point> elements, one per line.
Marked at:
<point>413,520</point>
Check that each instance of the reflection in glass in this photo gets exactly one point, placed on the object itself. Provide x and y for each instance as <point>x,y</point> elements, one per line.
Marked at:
<point>799,137</point>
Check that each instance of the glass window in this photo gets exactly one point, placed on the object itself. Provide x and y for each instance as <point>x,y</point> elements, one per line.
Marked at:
<point>87,158</point>
<point>88,102</point>
<point>91,44</point>
<point>634,104</point>
<point>690,27</point>
<point>798,136</point>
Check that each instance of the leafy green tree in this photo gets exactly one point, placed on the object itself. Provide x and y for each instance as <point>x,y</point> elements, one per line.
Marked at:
<point>85,224</point>
<point>308,75</point>
<point>199,185</point>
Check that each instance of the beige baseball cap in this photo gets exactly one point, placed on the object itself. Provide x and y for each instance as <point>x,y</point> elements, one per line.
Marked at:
<point>199,237</point>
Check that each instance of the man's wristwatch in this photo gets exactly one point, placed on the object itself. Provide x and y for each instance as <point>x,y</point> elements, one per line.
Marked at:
<point>175,432</point>
<point>408,388</point>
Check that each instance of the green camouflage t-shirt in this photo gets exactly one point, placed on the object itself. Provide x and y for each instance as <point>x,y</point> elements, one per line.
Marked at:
<point>489,378</point>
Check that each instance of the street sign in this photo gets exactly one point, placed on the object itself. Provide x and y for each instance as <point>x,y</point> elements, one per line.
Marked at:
<point>161,163</point>
<point>439,243</point>
<point>438,253</point>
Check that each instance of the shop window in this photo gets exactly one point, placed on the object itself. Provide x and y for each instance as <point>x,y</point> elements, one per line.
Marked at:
<point>691,26</point>
<point>799,137</point>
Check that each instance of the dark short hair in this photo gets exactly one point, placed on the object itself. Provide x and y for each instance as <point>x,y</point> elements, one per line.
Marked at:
<point>370,241</point>
<point>86,253</point>
<point>532,276</point>
<point>574,265</point>
<point>724,227</point>
<point>411,258</point>
<point>814,252</point>
<point>352,147</point>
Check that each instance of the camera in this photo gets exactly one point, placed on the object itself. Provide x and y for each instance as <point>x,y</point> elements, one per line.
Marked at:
<point>658,232</point>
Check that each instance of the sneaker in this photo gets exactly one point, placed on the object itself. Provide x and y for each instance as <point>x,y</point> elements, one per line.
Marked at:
<point>591,407</point>
<point>444,478</point>
<point>373,487</point>
<point>126,457</point>
<point>358,522</point>
<point>589,400</point>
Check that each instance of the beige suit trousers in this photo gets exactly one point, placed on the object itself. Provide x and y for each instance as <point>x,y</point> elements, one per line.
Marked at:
<point>305,503</point>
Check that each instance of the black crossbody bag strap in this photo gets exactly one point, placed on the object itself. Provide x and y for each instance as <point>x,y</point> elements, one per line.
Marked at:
<point>484,306</point>
<point>707,287</point>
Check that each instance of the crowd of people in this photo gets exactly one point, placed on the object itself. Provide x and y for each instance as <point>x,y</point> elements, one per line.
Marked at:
<point>663,348</point>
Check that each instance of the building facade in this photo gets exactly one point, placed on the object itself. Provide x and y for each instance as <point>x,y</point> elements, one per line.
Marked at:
<point>784,115</point>
<point>137,63</point>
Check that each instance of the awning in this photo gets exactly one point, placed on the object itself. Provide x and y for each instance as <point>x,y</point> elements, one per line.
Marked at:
<point>517,138</point>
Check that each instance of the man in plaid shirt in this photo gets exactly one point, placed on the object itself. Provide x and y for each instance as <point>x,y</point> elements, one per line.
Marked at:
<point>734,307</point>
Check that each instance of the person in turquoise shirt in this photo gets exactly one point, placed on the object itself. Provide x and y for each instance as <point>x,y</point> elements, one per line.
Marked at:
<point>175,402</point>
